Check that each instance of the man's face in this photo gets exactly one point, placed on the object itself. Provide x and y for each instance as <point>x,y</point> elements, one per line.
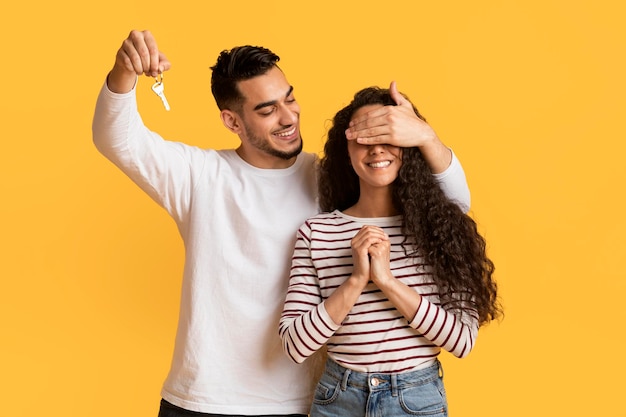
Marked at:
<point>270,121</point>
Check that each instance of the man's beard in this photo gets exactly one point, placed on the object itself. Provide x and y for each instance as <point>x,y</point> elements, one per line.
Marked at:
<point>266,147</point>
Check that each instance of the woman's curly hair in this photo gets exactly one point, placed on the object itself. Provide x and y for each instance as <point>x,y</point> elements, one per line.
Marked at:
<point>446,237</point>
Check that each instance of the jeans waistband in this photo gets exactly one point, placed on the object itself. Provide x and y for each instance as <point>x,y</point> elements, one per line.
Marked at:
<point>375,381</point>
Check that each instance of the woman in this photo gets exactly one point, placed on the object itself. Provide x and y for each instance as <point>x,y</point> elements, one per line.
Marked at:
<point>391,273</point>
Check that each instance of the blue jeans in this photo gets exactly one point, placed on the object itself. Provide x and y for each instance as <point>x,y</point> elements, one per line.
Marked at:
<point>342,392</point>
<point>170,410</point>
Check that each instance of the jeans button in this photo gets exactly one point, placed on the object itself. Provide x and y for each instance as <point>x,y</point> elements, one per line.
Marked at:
<point>375,382</point>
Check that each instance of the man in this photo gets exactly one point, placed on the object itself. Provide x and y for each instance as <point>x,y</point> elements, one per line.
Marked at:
<point>237,212</point>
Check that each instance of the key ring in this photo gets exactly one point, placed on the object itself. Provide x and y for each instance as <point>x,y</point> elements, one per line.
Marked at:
<point>159,78</point>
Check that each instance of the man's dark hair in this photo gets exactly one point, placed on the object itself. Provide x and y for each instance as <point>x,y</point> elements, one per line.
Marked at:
<point>238,64</point>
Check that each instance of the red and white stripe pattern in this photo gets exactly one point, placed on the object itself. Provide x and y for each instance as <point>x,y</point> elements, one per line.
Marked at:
<point>374,337</point>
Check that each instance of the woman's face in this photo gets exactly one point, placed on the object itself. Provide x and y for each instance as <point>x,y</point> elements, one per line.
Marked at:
<point>376,165</point>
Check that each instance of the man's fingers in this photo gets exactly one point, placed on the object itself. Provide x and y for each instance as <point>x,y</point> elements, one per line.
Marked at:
<point>130,58</point>
<point>153,55</point>
<point>123,60</point>
<point>369,119</point>
<point>149,57</point>
<point>372,125</point>
<point>396,96</point>
<point>371,131</point>
<point>372,136</point>
<point>139,53</point>
<point>164,63</point>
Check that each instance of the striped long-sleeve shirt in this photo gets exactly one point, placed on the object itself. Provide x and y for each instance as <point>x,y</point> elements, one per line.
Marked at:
<point>374,337</point>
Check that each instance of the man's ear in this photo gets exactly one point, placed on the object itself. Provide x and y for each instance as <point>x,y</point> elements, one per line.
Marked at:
<point>231,121</point>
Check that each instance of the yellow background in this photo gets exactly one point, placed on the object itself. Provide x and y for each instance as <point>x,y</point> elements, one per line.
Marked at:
<point>530,95</point>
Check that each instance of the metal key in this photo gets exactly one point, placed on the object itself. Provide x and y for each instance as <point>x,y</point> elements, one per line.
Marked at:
<point>158,90</point>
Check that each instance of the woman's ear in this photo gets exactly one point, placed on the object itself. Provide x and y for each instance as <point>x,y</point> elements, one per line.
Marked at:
<point>231,121</point>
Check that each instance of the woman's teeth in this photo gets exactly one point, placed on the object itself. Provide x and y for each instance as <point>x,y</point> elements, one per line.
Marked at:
<point>381,164</point>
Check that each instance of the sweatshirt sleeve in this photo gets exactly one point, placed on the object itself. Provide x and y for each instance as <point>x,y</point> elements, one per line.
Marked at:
<point>305,326</point>
<point>454,184</point>
<point>161,168</point>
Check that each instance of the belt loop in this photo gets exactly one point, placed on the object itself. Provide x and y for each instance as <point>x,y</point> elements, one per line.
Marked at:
<point>344,382</point>
<point>440,369</point>
<point>394,385</point>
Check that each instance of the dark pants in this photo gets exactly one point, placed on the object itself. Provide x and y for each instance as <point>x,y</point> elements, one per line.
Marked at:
<point>170,410</point>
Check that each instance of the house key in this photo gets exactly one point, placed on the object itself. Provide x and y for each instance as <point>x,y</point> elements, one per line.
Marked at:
<point>157,87</point>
